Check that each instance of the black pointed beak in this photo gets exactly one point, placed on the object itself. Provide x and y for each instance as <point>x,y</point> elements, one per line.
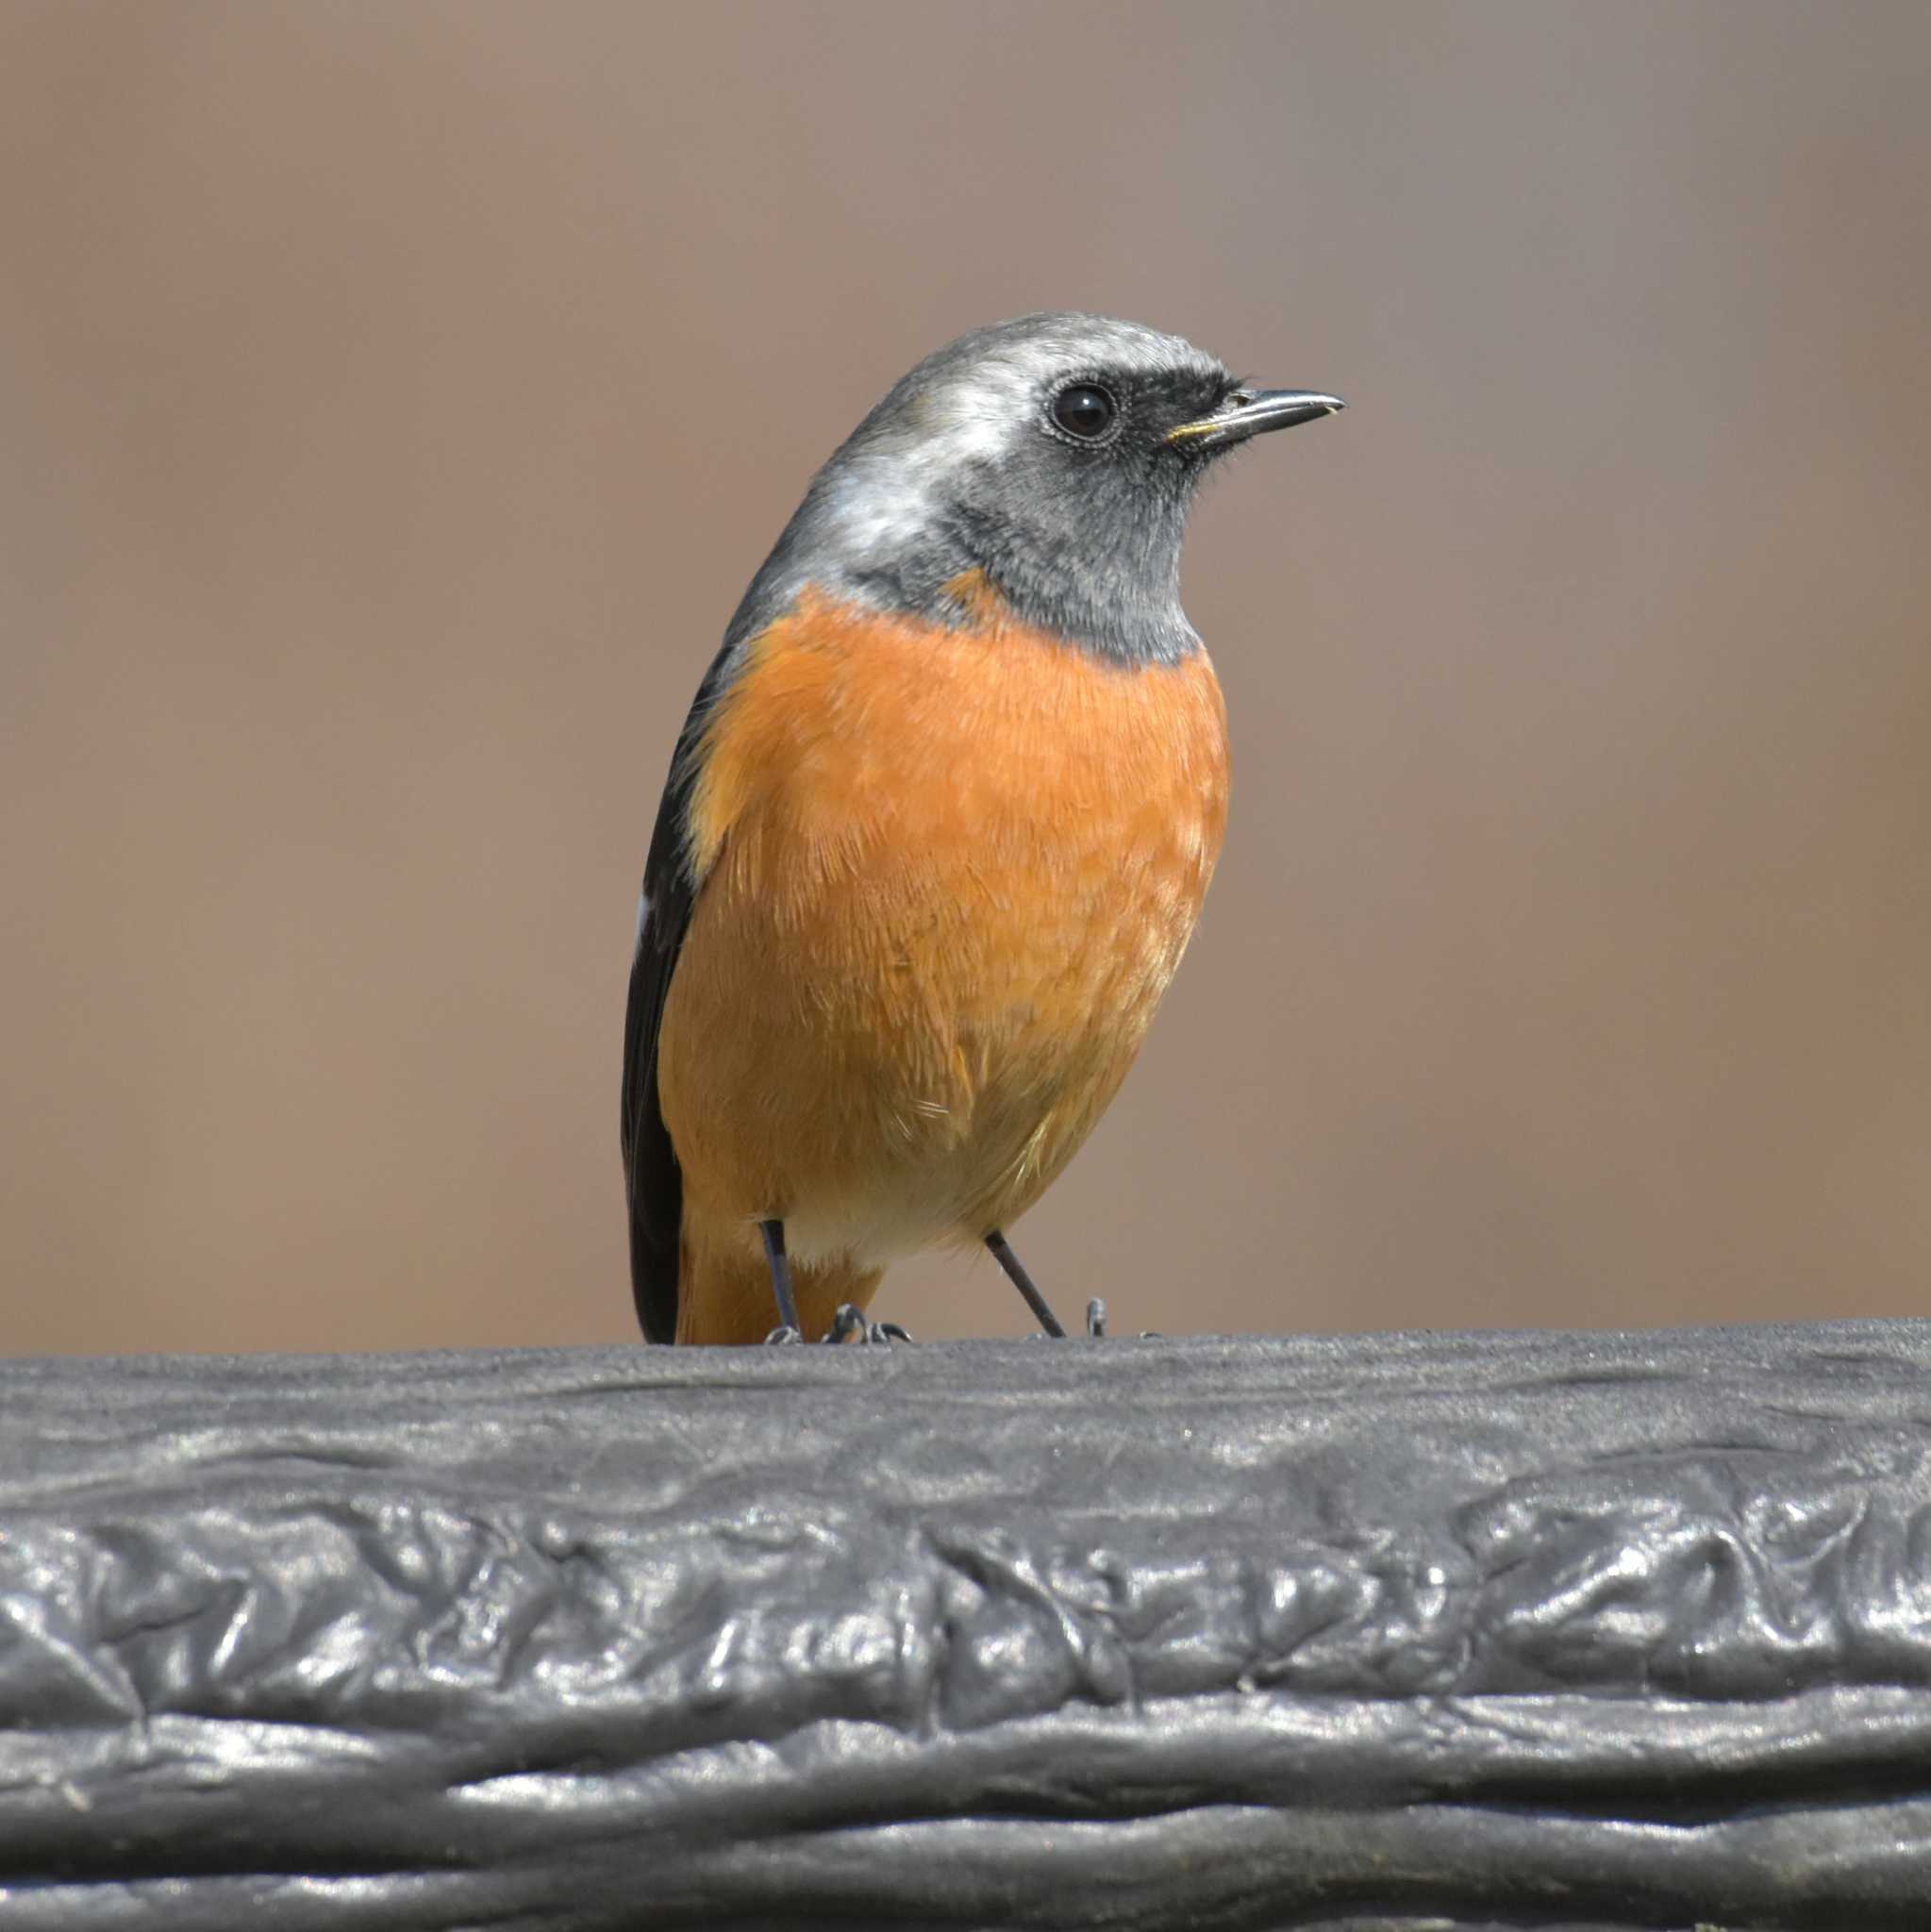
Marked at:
<point>1254,412</point>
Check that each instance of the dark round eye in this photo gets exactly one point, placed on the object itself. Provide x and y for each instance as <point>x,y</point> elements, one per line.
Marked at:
<point>1085,409</point>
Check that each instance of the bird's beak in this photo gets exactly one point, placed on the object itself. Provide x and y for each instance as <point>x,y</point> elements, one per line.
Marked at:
<point>1253,411</point>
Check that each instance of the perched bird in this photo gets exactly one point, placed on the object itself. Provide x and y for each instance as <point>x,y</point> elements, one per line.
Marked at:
<point>936,830</point>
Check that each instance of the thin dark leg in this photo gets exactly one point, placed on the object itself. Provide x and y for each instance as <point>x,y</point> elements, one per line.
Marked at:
<point>1002,1253</point>
<point>773,1232</point>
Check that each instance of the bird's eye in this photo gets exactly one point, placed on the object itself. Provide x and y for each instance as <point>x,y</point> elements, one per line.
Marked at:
<point>1085,411</point>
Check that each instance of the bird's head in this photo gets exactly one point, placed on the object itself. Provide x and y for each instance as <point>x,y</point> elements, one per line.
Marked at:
<point>1056,455</point>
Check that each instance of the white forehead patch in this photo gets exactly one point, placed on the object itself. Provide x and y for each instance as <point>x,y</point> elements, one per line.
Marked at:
<point>972,403</point>
<point>981,412</point>
<point>979,407</point>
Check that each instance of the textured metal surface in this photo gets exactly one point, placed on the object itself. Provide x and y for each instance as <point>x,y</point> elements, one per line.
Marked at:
<point>1400,1632</point>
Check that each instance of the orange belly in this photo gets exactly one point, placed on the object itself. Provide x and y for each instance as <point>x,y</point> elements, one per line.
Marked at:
<point>947,876</point>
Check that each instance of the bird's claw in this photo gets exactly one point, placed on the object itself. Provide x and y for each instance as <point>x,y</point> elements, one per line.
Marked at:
<point>781,1335</point>
<point>1096,1324</point>
<point>848,1323</point>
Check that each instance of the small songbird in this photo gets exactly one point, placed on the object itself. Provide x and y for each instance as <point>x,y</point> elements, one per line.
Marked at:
<point>936,830</point>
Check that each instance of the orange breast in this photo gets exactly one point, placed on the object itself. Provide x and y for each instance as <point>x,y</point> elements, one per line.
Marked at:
<point>947,875</point>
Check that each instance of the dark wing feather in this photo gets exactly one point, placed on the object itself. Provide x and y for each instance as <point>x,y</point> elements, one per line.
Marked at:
<point>652,1179</point>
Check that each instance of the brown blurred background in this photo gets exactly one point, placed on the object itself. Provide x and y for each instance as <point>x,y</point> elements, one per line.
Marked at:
<point>394,401</point>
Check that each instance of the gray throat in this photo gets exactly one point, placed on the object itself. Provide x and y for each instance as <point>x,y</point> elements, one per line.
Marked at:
<point>1112,588</point>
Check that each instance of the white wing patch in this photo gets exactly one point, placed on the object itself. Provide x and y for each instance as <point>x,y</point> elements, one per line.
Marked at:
<point>642,921</point>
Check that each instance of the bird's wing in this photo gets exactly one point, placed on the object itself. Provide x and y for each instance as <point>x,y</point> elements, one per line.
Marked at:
<point>652,1178</point>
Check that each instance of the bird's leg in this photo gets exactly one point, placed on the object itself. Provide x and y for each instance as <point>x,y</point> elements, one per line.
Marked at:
<point>787,1329</point>
<point>1002,1253</point>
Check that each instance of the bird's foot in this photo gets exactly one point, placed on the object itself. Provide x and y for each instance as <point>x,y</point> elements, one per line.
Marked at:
<point>849,1325</point>
<point>779,1336</point>
<point>1096,1323</point>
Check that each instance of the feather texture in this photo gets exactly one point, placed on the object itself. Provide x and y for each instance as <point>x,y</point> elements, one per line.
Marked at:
<point>942,877</point>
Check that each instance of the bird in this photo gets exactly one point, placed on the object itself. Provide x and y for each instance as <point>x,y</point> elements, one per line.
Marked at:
<point>937,831</point>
